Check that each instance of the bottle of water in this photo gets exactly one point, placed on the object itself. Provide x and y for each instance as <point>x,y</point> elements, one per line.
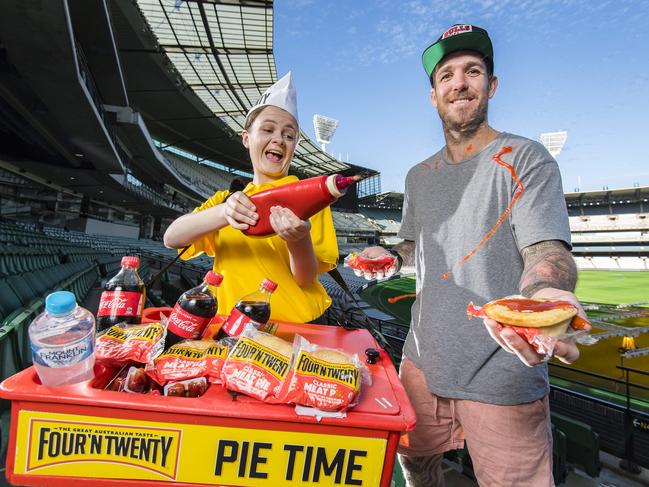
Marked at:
<point>63,341</point>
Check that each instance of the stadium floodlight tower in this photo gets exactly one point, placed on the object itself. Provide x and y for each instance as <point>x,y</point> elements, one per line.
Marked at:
<point>554,142</point>
<point>325,127</point>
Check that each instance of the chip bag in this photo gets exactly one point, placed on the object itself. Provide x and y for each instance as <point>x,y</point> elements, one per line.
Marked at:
<point>323,378</point>
<point>184,360</point>
<point>215,356</point>
<point>123,343</point>
<point>257,365</point>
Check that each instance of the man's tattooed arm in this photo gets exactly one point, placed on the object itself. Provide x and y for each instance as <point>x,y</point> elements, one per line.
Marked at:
<point>547,264</point>
<point>406,251</point>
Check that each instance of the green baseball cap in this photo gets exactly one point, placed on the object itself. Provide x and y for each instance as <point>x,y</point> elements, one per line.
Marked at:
<point>460,37</point>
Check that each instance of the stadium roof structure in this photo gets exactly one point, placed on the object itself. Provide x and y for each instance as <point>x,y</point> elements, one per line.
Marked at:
<point>223,52</point>
<point>129,81</point>
<point>389,200</point>
<point>631,194</point>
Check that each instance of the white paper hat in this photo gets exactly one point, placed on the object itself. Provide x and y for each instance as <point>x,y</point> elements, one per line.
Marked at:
<point>281,94</point>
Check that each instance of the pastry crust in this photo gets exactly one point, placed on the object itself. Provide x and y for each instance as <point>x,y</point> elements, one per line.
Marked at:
<point>548,314</point>
<point>332,356</point>
<point>274,343</point>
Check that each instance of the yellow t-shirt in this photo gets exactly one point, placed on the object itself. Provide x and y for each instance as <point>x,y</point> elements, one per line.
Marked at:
<point>245,261</point>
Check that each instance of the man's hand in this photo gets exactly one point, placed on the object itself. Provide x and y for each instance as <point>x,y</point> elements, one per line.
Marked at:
<point>565,350</point>
<point>240,211</point>
<point>288,225</point>
<point>374,253</point>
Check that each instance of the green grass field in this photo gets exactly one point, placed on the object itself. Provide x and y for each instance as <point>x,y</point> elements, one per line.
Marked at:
<point>605,288</point>
<point>601,287</point>
<point>613,287</point>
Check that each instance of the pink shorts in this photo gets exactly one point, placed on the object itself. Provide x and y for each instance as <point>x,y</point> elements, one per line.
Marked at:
<point>509,445</point>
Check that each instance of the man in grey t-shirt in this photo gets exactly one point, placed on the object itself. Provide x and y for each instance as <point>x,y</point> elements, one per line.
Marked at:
<point>483,218</point>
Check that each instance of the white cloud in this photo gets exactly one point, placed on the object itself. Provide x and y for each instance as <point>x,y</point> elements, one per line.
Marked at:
<point>405,28</point>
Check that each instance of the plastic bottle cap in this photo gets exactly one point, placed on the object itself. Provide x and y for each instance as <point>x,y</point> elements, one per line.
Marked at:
<point>130,261</point>
<point>60,302</point>
<point>269,285</point>
<point>213,278</point>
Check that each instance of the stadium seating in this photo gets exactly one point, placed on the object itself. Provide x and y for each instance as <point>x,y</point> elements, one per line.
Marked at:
<point>206,179</point>
<point>22,295</point>
<point>603,222</point>
<point>334,290</point>
<point>559,455</point>
<point>615,262</point>
<point>584,262</point>
<point>582,444</point>
<point>398,479</point>
<point>614,238</point>
<point>128,246</point>
<point>353,223</point>
<point>382,214</point>
<point>33,264</point>
<point>632,263</point>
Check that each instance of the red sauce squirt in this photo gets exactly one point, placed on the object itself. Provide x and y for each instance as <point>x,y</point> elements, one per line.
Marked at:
<point>517,194</point>
<point>398,298</point>
<point>531,305</point>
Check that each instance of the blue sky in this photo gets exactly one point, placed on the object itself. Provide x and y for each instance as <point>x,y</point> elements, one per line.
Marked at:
<point>575,65</point>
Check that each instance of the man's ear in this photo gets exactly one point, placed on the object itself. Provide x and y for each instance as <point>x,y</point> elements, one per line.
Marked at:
<point>244,138</point>
<point>493,84</point>
<point>433,97</point>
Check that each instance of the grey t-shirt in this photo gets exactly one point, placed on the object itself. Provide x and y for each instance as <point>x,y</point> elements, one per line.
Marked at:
<point>448,209</point>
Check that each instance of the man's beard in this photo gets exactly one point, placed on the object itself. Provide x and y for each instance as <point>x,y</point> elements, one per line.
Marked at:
<point>467,126</point>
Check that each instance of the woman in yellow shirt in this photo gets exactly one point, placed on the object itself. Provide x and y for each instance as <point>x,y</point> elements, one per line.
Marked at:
<point>300,249</point>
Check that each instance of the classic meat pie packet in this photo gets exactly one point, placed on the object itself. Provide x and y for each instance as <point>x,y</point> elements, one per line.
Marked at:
<point>257,365</point>
<point>323,378</point>
<point>124,343</point>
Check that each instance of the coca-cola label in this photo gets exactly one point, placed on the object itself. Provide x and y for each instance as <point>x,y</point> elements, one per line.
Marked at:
<point>120,303</point>
<point>186,325</point>
<point>237,321</point>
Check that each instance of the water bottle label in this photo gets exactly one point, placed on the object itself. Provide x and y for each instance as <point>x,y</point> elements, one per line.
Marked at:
<point>186,325</point>
<point>237,321</point>
<point>64,356</point>
<point>120,303</point>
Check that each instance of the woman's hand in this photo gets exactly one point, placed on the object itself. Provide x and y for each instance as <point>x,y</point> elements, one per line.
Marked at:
<point>288,225</point>
<point>240,211</point>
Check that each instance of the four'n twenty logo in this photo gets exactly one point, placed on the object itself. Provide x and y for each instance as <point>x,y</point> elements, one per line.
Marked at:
<point>57,443</point>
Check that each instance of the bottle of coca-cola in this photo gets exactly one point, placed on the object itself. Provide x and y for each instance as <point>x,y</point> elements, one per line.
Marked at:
<point>123,297</point>
<point>193,311</point>
<point>253,308</point>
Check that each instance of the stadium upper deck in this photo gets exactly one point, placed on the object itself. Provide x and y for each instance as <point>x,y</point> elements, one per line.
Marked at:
<point>130,80</point>
<point>608,201</point>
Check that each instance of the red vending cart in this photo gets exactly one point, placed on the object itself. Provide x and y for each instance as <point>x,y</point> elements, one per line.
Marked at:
<point>104,438</point>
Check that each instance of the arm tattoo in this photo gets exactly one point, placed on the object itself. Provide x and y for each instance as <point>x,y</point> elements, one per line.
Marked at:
<point>547,264</point>
<point>406,250</point>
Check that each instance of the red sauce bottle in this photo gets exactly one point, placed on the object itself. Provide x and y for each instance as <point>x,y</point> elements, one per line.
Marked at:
<point>304,198</point>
